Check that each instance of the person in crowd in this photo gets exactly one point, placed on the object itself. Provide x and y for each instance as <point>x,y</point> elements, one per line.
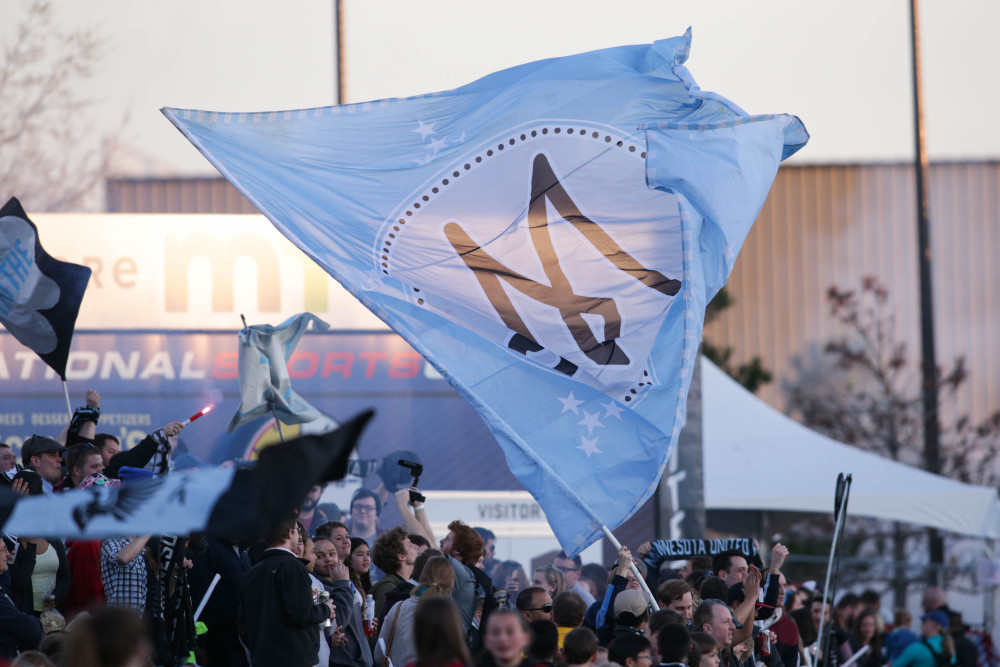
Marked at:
<point>81,460</point>
<point>366,508</point>
<point>463,546</point>
<point>657,620</point>
<point>420,542</point>
<point>570,569</point>
<point>43,455</point>
<point>108,445</point>
<point>403,590</point>
<point>126,570</point>
<point>506,638</point>
<point>359,563</point>
<point>39,577</point>
<point>743,653</point>
<point>8,459</point>
<point>785,630</point>
<point>630,650</point>
<point>544,643</point>
<point>277,614</point>
<point>550,579</point>
<point>155,447</point>
<point>901,635</point>
<point>713,588</point>
<point>307,555</point>
<point>673,643</point>
<point>339,535</point>
<point>225,558</point>
<point>966,653</point>
<point>821,610</point>
<point>695,565</point>
<point>395,555</point>
<point>600,616</point>
<point>440,641</point>
<point>568,610</point>
<point>489,549</point>
<point>731,566</point>
<point>870,599</point>
<point>310,515</point>
<point>112,637</point>
<point>596,576</point>
<point>32,659</point>
<point>396,636</point>
<point>631,614</point>
<point>705,651</point>
<point>846,610</point>
<point>509,576</point>
<point>19,631</point>
<point>677,595</point>
<point>580,648</point>
<point>535,604</point>
<point>868,631</point>
<point>936,649</point>
<point>714,618</point>
<point>807,632</point>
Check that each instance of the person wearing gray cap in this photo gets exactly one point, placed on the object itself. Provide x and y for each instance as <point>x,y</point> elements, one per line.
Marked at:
<point>43,455</point>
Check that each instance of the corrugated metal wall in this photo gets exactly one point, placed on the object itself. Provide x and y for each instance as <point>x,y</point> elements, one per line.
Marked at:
<point>833,225</point>
<point>821,226</point>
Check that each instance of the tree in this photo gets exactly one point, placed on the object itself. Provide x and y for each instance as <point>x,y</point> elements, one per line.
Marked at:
<point>752,374</point>
<point>47,158</point>
<point>866,392</point>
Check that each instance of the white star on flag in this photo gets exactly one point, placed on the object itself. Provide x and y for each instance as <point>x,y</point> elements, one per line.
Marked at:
<point>612,409</point>
<point>437,144</point>
<point>570,403</point>
<point>588,446</point>
<point>590,420</point>
<point>426,159</point>
<point>424,129</point>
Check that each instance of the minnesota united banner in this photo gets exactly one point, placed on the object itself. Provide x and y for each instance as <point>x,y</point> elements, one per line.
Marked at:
<point>40,296</point>
<point>547,237</point>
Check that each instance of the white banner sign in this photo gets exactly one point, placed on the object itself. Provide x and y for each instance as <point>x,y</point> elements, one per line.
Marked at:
<point>194,272</point>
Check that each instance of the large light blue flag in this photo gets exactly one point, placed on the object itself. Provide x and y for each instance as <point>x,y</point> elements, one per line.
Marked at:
<point>547,237</point>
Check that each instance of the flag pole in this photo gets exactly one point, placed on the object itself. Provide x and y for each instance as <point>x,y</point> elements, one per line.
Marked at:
<point>840,513</point>
<point>277,423</point>
<point>642,582</point>
<point>69,408</point>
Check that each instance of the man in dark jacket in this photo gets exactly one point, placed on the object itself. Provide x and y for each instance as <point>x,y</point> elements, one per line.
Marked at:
<point>278,618</point>
<point>18,630</point>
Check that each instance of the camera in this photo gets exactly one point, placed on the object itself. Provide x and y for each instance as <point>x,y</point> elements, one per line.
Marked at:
<point>416,470</point>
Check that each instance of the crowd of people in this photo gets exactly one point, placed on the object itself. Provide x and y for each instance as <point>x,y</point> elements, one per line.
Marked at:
<point>327,587</point>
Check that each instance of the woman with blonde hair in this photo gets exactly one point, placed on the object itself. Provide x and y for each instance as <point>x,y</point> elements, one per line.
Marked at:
<point>936,648</point>
<point>549,578</point>
<point>396,638</point>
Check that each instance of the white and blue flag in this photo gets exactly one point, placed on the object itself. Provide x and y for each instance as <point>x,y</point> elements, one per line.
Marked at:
<point>547,237</point>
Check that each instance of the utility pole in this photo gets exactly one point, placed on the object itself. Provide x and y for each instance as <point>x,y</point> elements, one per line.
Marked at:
<point>932,428</point>
<point>338,50</point>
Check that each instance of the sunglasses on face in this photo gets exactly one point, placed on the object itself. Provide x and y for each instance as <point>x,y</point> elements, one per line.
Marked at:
<point>547,608</point>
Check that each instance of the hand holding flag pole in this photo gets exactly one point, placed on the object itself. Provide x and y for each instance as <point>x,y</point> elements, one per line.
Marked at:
<point>638,577</point>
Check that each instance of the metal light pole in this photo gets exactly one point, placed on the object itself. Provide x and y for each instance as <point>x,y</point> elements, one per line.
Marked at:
<point>338,49</point>
<point>932,428</point>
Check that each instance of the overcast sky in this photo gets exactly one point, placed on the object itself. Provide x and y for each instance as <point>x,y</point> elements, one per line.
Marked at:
<point>843,67</point>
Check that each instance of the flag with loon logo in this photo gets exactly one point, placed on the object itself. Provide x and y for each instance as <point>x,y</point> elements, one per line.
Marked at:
<point>547,237</point>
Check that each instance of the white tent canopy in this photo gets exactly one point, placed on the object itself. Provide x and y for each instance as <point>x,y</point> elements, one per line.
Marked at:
<point>756,458</point>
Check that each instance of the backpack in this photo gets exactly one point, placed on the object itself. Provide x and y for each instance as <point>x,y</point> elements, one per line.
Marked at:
<point>939,658</point>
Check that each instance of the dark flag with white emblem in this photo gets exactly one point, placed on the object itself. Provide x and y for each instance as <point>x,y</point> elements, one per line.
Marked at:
<point>39,295</point>
<point>235,503</point>
<point>546,237</point>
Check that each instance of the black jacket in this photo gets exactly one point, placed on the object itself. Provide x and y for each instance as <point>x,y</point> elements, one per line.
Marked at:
<point>277,617</point>
<point>18,630</point>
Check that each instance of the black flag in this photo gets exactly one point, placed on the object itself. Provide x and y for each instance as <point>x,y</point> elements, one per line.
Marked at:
<point>244,504</point>
<point>39,295</point>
